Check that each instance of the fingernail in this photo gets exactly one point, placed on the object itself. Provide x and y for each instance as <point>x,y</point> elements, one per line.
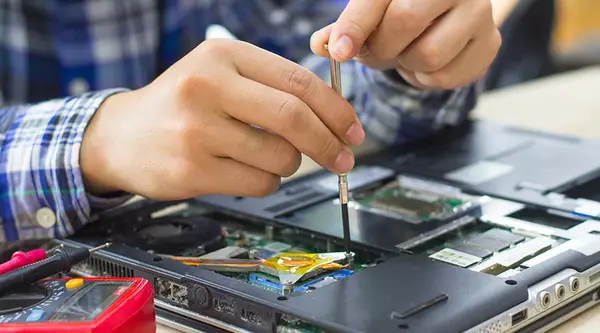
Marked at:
<point>343,47</point>
<point>344,161</point>
<point>355,134</point>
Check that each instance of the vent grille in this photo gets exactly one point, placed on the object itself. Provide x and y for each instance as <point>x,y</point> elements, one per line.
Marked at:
<point>100,267</point>
<point>493,327</point>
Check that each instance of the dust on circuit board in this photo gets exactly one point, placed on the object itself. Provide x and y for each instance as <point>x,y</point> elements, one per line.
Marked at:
<point>218,236</point>
<point>489,249</point>
<point>269,242</point>
<point>414,200</point>
<point>300,261</point>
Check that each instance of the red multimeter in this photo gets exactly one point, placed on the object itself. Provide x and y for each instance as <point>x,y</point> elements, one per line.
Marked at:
<point>107,305</point>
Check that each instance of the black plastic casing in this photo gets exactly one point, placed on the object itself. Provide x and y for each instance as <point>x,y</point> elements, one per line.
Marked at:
<point>406,293</point>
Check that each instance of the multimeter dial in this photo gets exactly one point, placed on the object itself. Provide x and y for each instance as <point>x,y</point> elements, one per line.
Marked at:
<point>23,299</point>
<point>72,300</point>
<point>94,305</point>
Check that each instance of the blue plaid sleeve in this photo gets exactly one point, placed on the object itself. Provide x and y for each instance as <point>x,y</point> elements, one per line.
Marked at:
<point>43,191</point>
<point>114,43</point>
<point>391,111</point>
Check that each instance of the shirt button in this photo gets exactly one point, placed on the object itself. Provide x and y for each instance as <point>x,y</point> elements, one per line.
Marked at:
<point>45,217</point>
<point>278,16</point>
<point>78,87</point>
<point>303,27</point>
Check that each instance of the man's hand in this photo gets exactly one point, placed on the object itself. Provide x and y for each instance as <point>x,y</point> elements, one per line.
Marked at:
<point>433,44</point>
<point>228,118</point>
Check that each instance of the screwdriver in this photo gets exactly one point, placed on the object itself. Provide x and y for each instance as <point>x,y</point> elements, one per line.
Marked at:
<point>20,259</point>
<point>61,261</point>
<point>336,84</point>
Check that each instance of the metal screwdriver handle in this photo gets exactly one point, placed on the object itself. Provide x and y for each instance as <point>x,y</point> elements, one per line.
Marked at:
<point>336,84</point>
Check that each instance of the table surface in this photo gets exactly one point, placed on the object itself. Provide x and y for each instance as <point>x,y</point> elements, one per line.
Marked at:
<point>568,104</point>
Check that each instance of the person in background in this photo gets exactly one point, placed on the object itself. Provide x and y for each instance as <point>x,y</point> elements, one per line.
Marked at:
<point>105,99</point>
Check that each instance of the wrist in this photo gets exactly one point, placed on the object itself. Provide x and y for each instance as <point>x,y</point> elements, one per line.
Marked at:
<point>97,160</point>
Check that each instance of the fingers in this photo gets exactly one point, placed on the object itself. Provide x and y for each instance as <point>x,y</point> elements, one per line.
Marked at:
<point>289,117</point>
<point>241,180</point>
<point>502,10</point>
<point>255,147</point>
<point>409,77</point>
<point>404,20</point>
<point>436,48</point>
<point>468,66</point>
<point>358,20</point>
<point>319,39</point>
<point>283,75</point>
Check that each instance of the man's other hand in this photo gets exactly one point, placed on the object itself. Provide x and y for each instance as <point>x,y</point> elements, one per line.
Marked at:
<point>228,118</point>
<point>432,44</point>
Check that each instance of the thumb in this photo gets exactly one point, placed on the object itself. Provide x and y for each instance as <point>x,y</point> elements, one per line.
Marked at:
<point>352,29</point>
<point>319,39</point>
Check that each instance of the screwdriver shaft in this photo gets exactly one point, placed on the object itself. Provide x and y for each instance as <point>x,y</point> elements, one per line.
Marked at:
<point>336,78</point>
<point>336,84</point>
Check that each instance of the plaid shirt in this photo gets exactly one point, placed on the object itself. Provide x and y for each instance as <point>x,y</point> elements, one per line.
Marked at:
<point>60,59</point>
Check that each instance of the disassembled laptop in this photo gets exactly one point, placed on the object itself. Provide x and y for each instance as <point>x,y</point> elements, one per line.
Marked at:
<point>489,236</point>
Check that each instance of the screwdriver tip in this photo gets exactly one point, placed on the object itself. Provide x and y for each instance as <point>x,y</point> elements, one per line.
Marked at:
<point>105,245</point>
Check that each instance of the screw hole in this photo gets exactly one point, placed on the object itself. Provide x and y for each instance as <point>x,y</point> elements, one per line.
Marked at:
<point>403,326</point>
<point>510,282</point>
<point>281,298</point>
<point>157,258</point>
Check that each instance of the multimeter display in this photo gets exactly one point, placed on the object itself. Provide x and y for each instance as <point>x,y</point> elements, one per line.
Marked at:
<point>94,305</point>
<point>90,302</point>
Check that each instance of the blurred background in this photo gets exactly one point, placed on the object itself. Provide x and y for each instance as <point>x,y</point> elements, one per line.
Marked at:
<point>576,35</point>
<point>544,37</point>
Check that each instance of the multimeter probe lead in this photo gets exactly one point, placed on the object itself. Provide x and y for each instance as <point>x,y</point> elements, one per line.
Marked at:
<point>60,261</point>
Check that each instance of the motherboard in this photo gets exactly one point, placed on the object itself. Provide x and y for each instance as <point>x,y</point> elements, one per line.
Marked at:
<point>290,262</point>
<point>284,261</point>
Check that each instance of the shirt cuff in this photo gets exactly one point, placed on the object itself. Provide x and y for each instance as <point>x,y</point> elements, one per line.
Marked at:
<point>40,162</point>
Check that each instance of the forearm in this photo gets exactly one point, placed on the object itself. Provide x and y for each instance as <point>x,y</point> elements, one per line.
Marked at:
<point>42,185</point>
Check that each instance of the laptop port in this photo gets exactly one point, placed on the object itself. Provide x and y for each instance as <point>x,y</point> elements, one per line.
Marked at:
<point>223,306</point>
<point>545,299</point>
<point>519,317</point>
<point>574,284</point>
<point>559,292</point>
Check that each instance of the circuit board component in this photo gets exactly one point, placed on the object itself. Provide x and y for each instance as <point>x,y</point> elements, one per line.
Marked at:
<point>272,283</point>
<point>456,258</point>
<point>515,256</point>
<point>493,251</point>
<point>414,201</point>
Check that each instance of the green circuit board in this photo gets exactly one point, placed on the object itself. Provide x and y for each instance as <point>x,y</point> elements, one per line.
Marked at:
<point>411,204</point>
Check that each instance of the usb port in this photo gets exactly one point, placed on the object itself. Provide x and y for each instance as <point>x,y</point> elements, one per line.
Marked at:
<point>223,306</point>
<point>519,317</point>
<point>251,316</point>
